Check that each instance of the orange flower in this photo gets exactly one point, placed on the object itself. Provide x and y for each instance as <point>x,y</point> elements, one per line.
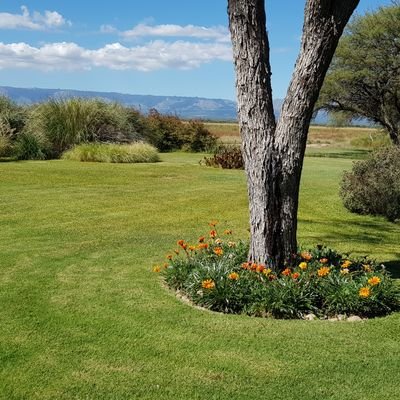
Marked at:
<point>202,246</point>
<point>323,271</point>
<point>176,252</point>
<point>180,242</point>
<point>305,255</point>
<point>233,276</point>
<point>246,265</point>
<point>165,265</point>
<point>169,256</point>
<point>192,248</point>
<point>253,266</point>
<point>286,272</point>
<point>227,232</point>
<point>303,265</point>
<point>213,234</point>
<point>218,251</point>
<point>213,223</point>
<point>260,268</point>
<point>364,292</point>
<point>375,280</point>
<point>156,268</point>
<point>201,239</point>
<point>271,277</point>
<point>295,275</point>
<point>208,284</point>
<point>323,260</point>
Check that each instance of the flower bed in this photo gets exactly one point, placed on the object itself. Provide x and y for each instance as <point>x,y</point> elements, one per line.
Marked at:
<point>214,273</point>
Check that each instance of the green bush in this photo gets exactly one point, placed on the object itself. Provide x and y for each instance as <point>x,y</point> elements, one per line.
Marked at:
<point>373,185</point>
<point>29,146</point>
<point>113,153</point>
<point>168,133</point>
<point>12,116</point>
<point>214,273</point>
<point>225,156</point>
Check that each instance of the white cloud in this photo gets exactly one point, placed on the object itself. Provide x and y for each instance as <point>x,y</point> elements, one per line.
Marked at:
<point>108,29</point>
<point>218,33</point>
<point>153,56</point>
<point>35,21</point>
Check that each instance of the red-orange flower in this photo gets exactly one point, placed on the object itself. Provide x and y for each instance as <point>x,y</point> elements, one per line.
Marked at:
<point>201,239</point>
<point>180,242</point>
<point>260,268</point>
<point>305,255</point>
<point>169,256</point>
<point>213,233</point>
<point>286,272</point>
<point>202,246</point>
<point>246,265</point>
<point>218,251</point>
<point>208,284</point>
<point>295,275</point>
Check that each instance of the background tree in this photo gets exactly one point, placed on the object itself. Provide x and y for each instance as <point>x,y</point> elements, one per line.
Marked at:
<point>273,151</point>
<point>364,78</point>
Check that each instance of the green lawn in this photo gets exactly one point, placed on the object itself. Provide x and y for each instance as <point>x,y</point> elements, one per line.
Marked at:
<point>83,317</point>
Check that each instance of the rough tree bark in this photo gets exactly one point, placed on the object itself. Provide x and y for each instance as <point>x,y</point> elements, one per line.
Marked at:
<point>273,152</point>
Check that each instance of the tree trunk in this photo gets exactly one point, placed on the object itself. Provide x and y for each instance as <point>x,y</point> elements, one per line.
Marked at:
<point>273,153</point>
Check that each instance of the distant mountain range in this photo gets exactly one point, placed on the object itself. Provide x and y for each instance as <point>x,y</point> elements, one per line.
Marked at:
<point>184,107</point>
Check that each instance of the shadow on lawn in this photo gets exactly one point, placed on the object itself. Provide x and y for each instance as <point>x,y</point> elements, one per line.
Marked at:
<point>393,267</point>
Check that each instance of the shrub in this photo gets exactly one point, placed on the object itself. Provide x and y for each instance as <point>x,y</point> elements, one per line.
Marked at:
<point>227,157</point>
<point>12,116</point>
<point>373,185</point>
<point>214,273</point>
<point>168,133</point>
<point>113,153</point>
<point>29,146</point>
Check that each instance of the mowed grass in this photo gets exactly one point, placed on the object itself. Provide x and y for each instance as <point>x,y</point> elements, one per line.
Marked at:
<point>83,317</point>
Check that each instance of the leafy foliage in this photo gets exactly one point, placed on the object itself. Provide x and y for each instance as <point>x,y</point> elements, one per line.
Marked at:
<point>227,157</point>
<point>373,185</point>
<point>364,76</point>
<point>214,273</point>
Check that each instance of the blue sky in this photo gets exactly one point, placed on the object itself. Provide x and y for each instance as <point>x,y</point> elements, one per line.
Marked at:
<point>174,47</point>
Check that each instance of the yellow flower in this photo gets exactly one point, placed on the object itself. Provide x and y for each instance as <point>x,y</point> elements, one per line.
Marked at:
<point>156,268</point>
<point>375,280</point>
<point>208,284</point>
<point>192,248</point>
<point>267,271</point>
<point>233,276</point>
<point>346,264</point>
<point>303,265</point>
<point>227,232</point>
<point>367,268</point>
<point>344,271</point>
<point>323,271</point>
<point>213,223</point>
<point>218,251</point>
<point>364,292</point>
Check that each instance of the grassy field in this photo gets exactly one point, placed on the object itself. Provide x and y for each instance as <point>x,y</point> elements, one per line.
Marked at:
<point>325,137</point>
<point>83,317</point>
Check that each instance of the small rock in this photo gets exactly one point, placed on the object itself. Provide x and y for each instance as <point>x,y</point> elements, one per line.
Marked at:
<point>310,317</point>
<point>341,317</point>
<point>333,319</point>
<point>354,318</point>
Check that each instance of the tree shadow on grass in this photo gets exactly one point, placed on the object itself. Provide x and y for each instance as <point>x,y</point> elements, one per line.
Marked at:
<point>393,267</point>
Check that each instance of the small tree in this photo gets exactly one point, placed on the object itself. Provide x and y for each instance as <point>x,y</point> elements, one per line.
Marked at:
<point>364,78</point>
<point>273,151</point>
